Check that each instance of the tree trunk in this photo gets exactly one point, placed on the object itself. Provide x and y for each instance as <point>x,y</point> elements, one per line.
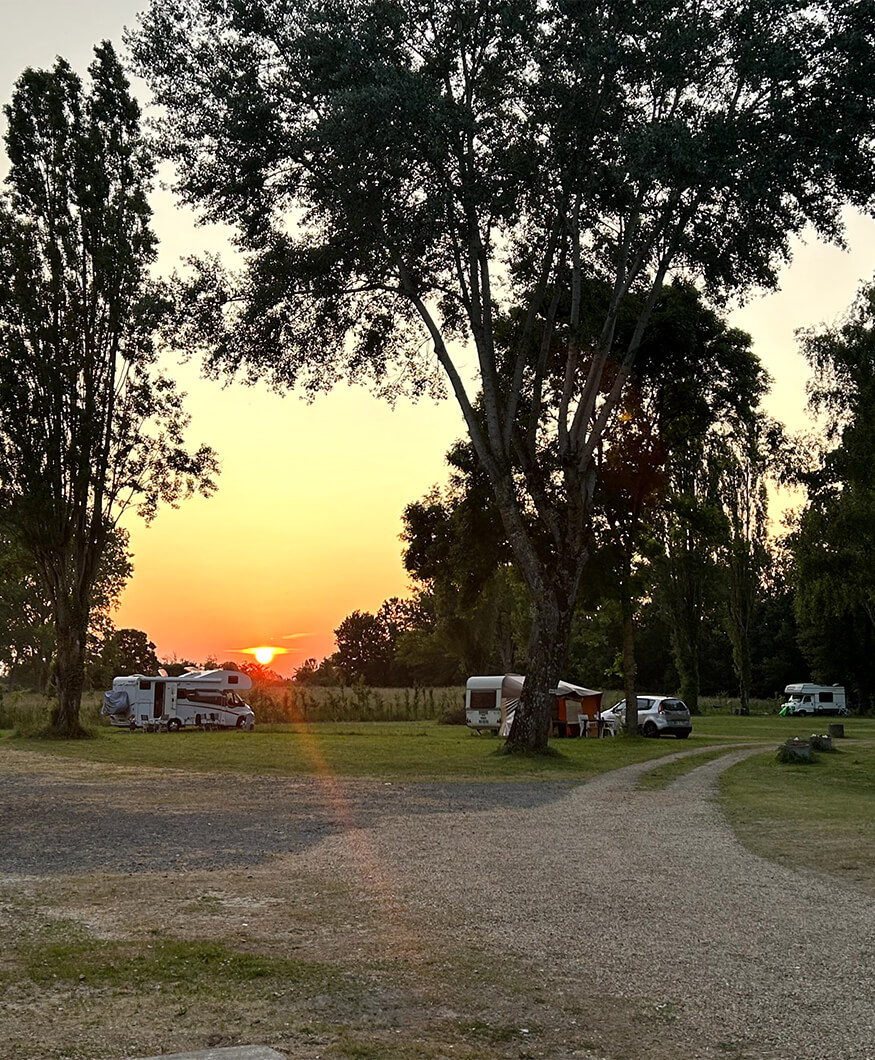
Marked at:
<point>688,665</point>
<point>630,665</point>
<point>548,648</point>
<point>71,630</point>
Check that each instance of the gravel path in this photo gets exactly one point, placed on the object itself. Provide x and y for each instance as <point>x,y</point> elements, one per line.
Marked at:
<point>728,953</point>
<point>733,955</point>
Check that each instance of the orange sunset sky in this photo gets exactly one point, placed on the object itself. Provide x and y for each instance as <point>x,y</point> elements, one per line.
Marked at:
<point>304,527</point>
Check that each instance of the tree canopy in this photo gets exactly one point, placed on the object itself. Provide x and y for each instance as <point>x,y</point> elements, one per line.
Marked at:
<point>833,542</point>
<point>409,170</point>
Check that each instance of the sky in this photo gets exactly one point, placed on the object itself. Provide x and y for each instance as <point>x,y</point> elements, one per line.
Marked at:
<point>305,525</point>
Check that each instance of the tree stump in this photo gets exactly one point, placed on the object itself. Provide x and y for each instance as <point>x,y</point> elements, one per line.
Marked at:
<point>820,743</point>
<point>837,731</point>
<point>796,750</point>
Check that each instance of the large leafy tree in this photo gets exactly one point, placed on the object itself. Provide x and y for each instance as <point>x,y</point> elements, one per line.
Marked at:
<point>708,390</point>
<point>833,543</point>
<point>751,452</point>
<point>87,427</point>
<point>409,169</point>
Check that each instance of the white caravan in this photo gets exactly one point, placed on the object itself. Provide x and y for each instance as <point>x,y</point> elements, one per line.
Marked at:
<point>814,699</point>
<point>490,704</point>
<point>198,699</point>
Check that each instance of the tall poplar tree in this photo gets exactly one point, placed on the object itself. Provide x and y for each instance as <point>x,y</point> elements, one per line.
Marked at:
<point>404,172</point>
<point>87,426</point>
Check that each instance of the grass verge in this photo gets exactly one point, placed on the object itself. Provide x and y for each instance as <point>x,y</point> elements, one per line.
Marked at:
<point>819,816</point>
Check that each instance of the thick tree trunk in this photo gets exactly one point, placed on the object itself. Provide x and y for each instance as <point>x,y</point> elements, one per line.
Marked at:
<point>688,664</point>
<point>71,629</point>
<point>547,653</point>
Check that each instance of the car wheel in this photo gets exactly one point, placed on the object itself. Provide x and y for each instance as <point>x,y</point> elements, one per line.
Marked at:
<point>174,725</point>
<point>650,729</point>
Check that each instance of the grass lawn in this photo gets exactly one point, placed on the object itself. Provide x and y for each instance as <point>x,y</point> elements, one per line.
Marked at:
<point>406,750</point>
<point>403,750</point>
<point>821,816</point>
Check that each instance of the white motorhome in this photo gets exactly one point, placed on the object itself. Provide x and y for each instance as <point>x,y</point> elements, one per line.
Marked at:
<point>490,704</point>
<point>814,699</point>
<point>197,699</point>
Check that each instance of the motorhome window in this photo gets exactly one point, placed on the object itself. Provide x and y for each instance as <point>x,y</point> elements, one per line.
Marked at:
<point>145,686</point>
<point>482,700</point>
<point>233,680</point>
<point>826,697</point>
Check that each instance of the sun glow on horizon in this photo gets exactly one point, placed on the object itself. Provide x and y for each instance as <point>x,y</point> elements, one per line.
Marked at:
<point>263,654</point>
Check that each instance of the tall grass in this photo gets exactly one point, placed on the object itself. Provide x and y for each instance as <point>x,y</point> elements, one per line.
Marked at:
<point>360,702</point>
<point>28,712</point>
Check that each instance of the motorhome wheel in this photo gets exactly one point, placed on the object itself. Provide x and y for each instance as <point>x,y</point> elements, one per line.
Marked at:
<point>174,725</point>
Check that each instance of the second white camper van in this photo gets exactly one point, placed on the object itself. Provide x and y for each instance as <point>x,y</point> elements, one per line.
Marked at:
<point>814,699</point>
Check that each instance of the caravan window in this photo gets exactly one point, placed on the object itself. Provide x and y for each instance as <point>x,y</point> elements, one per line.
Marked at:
<point>482,699</point>
<point>826,697</point>
<point>145,686</point>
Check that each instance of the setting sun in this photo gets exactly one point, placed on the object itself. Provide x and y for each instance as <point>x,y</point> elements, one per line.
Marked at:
<point>264,655</point>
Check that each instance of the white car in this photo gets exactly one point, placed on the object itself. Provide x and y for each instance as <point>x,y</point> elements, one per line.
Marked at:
<point>656,715</point>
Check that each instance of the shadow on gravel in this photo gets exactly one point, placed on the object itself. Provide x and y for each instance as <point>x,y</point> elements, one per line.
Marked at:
<point>51,827</point>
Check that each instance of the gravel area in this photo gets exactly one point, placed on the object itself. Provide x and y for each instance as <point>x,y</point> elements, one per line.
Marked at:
<point>172,821</point>
<point>620,897</point>
<point>730,954</point>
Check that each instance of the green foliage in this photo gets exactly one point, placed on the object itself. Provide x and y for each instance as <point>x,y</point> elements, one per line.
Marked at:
<point>833,541</point>
<point>454,172</point>
<point>87,426</point>
<point>456,548</point>
<point>368,645</point>
<point>133,652</point>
